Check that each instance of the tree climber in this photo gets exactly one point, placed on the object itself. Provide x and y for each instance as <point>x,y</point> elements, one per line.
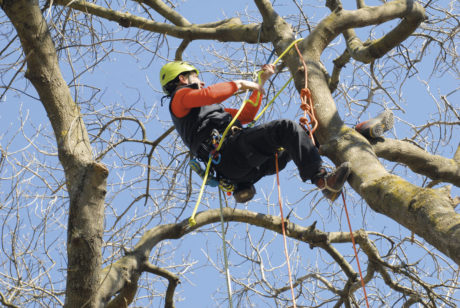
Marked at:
<point>247,154</point>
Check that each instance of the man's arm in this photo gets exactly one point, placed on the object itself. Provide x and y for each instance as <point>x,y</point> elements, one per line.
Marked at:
<point>252,107</point>
<point>187,98</point>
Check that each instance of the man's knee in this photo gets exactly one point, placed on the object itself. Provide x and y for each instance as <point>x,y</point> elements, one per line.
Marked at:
<point>287,125</point>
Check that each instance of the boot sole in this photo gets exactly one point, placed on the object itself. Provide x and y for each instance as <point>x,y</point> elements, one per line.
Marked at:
<point>385,122</point>
<point>244,195</point>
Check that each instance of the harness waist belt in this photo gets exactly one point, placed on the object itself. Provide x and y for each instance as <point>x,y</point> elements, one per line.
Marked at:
<point>211,143</point>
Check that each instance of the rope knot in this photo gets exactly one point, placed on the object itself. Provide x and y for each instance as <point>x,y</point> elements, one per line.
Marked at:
<point>304,121</point>
<point>304,106</point>
<point>305,92</point>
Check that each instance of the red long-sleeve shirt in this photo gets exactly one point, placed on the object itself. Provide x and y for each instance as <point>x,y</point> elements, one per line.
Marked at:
<point>185,99</point>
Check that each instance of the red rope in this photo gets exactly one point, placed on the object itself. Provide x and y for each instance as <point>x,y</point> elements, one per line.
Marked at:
<point>306,103</point>
<point>283,229</point>
<point>354,248</point>
<point>312,124</point>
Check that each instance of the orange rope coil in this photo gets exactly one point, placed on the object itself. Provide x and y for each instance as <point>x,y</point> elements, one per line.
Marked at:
<point>306,103</point>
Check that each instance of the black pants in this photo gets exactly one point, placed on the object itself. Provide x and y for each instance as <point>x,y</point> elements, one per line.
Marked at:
<point>249,154</point>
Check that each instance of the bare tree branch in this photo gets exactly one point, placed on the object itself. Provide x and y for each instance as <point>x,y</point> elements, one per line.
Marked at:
<point>433,166</point>
<point>411,12</point>
<point>229,30</point>
<point>399,269</point>
<point>173,282</point>
<point>167,12</point>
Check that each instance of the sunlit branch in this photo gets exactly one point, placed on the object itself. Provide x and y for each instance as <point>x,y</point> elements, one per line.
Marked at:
<point>170,14</point>
<point>339,63</point>
<point>418,160</point>
<point>413,14</point>
<point>172,279</point>
<point>230,30</point>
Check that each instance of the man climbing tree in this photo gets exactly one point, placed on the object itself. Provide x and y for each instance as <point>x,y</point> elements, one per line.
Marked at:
<point>83,141</point>
<point>249,153</point>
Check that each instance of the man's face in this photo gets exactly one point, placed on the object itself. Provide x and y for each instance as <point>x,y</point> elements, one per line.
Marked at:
<point>193,78</point>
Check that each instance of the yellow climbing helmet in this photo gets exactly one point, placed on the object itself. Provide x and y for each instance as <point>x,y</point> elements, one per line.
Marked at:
<point>171,70</point>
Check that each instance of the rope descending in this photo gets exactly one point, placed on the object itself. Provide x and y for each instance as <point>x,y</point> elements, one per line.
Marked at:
<point>310,124</point>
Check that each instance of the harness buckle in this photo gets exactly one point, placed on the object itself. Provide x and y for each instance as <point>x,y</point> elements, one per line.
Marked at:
<point>215,137</point>
<point>226,186</point>
<point>235,129</point>
<point>215,157</point>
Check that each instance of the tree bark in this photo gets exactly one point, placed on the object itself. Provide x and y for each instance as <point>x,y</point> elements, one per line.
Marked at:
<point>427,212</point>
<point>437,168</point>
<point>85,179</point>
<point>119,275</point>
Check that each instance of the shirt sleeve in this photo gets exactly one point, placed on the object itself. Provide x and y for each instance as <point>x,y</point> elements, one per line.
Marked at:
<point>187,98</point>
<point>250,109</point>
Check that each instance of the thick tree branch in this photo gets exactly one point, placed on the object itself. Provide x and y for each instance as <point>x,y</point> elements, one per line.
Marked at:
<point>44,73</point>
<point>172,279</point>
<point>184,44</point>
<point>230,30</point>
<point>161,8</point>
<point>126,294</point>
<point>343,21</point>
<point>427,212</point>
<point>435,167</point>
<point>412,15</point>
<point>135,262</point>
<point>180,50</point>
<point>280,33</point>
<point>85,179</point>
<point>457,154</point>
<point>430,213</point>
<point>339,63</point>
<point>268,13</point>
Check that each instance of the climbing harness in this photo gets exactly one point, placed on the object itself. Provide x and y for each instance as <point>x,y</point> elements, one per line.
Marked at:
<point>195,165</point>
<point>214,155</point>
<point>212,180</point>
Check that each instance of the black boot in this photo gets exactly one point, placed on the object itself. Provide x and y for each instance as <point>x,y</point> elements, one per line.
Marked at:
<point>331,183</point>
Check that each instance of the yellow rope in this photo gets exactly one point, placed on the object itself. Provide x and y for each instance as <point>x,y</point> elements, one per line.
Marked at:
<point>191,220</point>
<point>286,50</point>
<point>271,101</point>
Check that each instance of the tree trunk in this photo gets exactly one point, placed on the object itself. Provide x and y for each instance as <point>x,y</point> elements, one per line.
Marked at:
<point>428,213</point>
<point>86,179</point>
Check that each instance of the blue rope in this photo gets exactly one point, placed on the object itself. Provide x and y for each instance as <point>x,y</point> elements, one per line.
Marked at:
<point>271,55</point>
